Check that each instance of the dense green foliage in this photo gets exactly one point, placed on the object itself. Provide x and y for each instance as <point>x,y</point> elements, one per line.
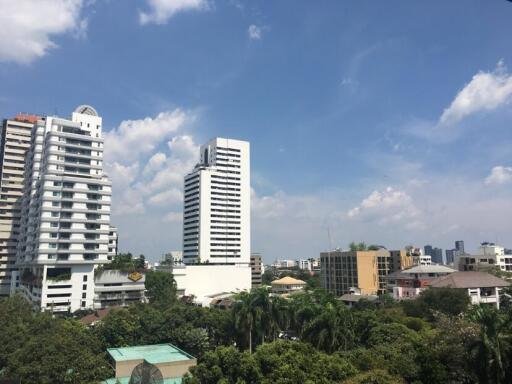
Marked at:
<point>124,262</point>
<point>308,338</point>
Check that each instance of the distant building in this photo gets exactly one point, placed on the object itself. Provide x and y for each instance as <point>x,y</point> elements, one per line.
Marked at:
<point>366,270</point>
<point>482,288</point>
<point>428,250</point>
<point>284,264</point>
<point>112,242</point>
<point>459,246</point>
<point>256,270</point>
<point>165,363</point>
<point>113,288</point>
<point>408,284</point>
<point>401,259</point>
<point>437,256</point>
<point>489,255</point>
<point>450,255</point>
<point>287,285</point>
<point>304,264</point>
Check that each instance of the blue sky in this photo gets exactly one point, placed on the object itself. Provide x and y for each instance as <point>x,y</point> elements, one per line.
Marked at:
<point>385,122</point>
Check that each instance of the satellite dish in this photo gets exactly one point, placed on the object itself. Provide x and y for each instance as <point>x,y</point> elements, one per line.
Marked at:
<point>86,110</point>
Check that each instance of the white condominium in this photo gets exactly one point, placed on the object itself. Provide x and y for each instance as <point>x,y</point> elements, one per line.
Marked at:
<point>65,220</point>
<point>15,144</point>
<point>217,207</point>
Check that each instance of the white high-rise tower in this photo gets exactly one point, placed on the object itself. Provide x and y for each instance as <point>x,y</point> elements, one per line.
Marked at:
<point>217,206</point>
<point>65,217</point>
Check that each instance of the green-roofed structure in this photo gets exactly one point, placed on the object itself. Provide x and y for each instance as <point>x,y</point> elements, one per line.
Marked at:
<point>168,362</point>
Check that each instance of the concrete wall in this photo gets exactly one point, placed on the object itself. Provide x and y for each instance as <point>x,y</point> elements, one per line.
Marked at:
<point>204,280</point>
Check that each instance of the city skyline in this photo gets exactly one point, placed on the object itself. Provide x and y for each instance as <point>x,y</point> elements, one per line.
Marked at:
<point>370,130</point>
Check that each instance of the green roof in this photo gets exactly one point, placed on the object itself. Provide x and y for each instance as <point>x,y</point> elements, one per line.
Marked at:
<point>154,354</point>
<point>126,380</point>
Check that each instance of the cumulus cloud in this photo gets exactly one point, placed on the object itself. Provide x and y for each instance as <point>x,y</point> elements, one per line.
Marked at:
<point>169,197</point>
<point>28,26</point>
<point>499,175</point>
<point>385,206</point>
<point>160,11</point>
<point>485,92</point>
<point>134,138</point>
<point>254,32</point>
<point>173,217</point>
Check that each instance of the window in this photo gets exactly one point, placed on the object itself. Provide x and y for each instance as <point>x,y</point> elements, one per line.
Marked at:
<point>84,295</point>
<point>84,287</point>
<point>85,278</point>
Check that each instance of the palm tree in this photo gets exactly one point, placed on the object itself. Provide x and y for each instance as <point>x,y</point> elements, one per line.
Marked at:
<point>332,329</point>
<point>244,316</point>
<point>493,345</point>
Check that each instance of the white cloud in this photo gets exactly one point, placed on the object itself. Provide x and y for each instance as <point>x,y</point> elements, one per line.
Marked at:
<point>485,92</point>
<point>134,138</point>
<point>162,10</point>
<point>169,197</point>
<point>28,26</point>
<point>173,217</point>
<point>385,206</point>
<point>254,32</point>
<point>499,175</point>
<point>155,163</point>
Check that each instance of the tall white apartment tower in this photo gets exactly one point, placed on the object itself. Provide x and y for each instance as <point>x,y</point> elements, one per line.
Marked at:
<point>217,206</point>
<point>15,143</point>
<point>65,218</point>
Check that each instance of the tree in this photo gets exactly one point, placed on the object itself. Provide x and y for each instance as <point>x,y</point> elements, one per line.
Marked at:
<point>140,263</point>
<point>449,301</point>
<point>332,329</point>
<point>160,287</point>
<point>493,347</point>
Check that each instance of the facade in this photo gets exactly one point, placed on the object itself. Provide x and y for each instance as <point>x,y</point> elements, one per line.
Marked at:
<point>422,260</point>
<point>216,215</point>
<point>342,271</point>
<point>409,283</point>
<point>489,255</point>
<point>450,256</point>
<point>256,270</point>
<point>284,264</point>
<point>166,362</point>
<point>114,288</point>
<point>287,285</point>
<point>204,280</point>
<point>428,250</point>
<point>401,259</point>
<point>482,288</point>
<point>459,246</point>
<point>437,256</point>
<point>65,214</point>
<point>112,242</point>
<point>15,143</point>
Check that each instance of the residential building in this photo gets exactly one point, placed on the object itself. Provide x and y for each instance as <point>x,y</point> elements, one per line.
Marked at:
<point>422,260</point>
<point>65,212</point>
<point>287,285</point>
<point>284,264</point>
<point>342,271</point>
<point>401,259</point>
<point>256,270</point>
<point>113,288</point>
<point>164,363</point>
<point>15,143</point>
<point>112,242</point>
<point>217,222</point>
<point>216,216</point>
<point>408,283</point>
<point>489,255</point>
<point>482,288</point>
<point>428,250</point>
<point>355,296</point>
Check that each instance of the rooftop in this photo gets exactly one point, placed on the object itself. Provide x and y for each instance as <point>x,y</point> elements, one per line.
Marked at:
<point>126,380</point>
<point>287,280</point>
<point>154,354</point>
<point>468,280</point>
<point>355,298</point>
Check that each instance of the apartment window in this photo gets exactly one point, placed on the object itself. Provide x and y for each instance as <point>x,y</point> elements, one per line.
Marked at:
<point>84,295</point>
<point>85,278</point>
<point>84,287</point>
<point>83,304</point>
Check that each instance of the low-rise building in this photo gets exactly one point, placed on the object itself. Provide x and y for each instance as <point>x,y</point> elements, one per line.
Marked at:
<point>164,363</point>
<point>286,285</point>
<point>482,288</point>
<point>409,283</point>
<point>284,264</point>
<point>114,288</point>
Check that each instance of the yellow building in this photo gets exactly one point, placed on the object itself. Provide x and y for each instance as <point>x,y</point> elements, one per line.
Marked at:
<point>342,271</point>
<point>287,284</point>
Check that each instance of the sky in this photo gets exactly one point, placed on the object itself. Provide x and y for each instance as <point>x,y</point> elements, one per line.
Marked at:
<point>388,122</point>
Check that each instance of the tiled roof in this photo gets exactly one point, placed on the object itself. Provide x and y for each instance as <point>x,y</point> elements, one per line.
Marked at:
<point>469,279</point>
<point>287,280</point>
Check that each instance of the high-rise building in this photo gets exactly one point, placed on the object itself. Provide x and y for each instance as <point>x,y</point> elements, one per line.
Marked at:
<point>65,215</point>
<point>216,215</point>
<point>15,142</point>
<point>437,255</point>
<point>459,246</point>
<point>450,255</point>
<point>428,250</point>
